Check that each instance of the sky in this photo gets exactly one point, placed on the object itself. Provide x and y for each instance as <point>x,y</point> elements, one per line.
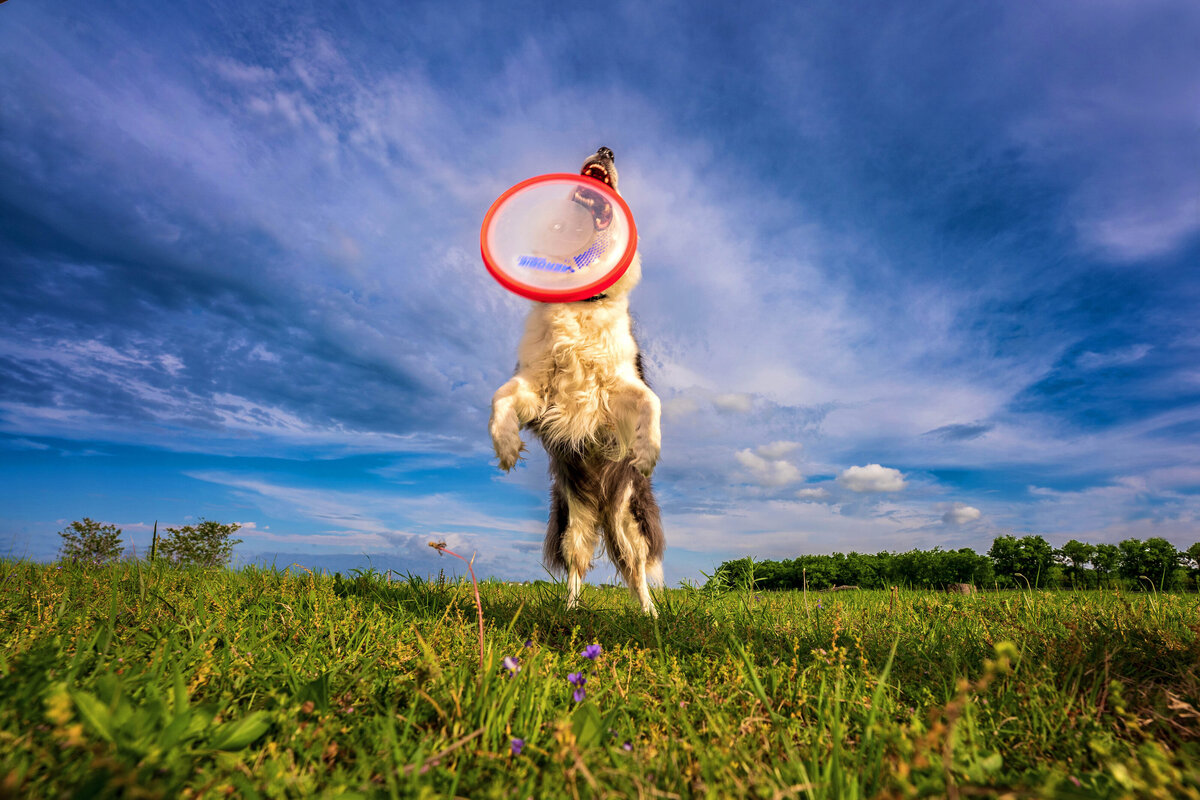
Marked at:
<point>916,274</point>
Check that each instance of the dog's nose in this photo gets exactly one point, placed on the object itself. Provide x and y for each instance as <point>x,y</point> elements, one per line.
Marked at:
<point>604,152</point>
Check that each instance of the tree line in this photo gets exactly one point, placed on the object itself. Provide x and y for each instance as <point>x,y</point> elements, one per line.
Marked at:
<point>1011,562</point>
<point>207,543</point>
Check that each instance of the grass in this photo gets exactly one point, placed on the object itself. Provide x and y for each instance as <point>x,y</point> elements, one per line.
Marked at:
<point>148,681</point>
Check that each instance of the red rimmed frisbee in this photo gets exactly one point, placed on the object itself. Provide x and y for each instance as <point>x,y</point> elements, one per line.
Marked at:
<point>558,238</point>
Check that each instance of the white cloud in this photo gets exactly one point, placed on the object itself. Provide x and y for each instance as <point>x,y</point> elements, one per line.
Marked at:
<point>679,407</point>
<point>813,495</point>
<point>737,402</point>
<point>1113,358</point>
<point>238,72</point>
<point>787,528</point>
<point>872,478</point>
<point>777,450</point>
<point>768,471</point>
<point>170,363</point>
<point>960,514</point>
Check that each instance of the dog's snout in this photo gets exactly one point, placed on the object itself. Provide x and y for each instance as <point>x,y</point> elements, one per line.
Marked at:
<point>604,152</point>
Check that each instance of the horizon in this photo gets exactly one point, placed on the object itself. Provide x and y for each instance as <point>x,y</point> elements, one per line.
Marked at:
<point>916,275</point>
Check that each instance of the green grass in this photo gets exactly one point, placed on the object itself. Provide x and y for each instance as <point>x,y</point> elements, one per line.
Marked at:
<point>147,681</point>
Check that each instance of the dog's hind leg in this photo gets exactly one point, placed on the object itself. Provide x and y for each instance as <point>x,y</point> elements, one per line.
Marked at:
<point>578,545</point>
<point>631,535</point>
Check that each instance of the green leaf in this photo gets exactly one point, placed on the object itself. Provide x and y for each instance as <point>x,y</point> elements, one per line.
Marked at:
<point>95,714</point>
<point>586,725</point>
<point>317,691</point>
<point>175,731</point>
<point>238,734</point>
<point>181,696</point>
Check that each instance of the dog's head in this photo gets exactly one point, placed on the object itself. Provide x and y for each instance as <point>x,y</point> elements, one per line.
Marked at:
<point>601,165</point>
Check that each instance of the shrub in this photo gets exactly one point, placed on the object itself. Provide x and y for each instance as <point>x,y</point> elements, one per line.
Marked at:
<point>207,544</point>
<point>90,541</point>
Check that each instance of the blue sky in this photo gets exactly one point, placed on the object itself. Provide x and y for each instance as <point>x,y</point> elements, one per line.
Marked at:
<point>916,274</point>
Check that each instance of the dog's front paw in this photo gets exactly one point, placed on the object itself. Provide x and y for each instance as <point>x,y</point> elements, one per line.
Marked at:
<point>645,456</point>
<point>508,445</point>
<point>509,453</point>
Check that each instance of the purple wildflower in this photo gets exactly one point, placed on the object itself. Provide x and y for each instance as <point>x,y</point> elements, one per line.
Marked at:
<point>578,679</point>
<point>517,744</point>
<point>529,642</point>
<point>591,652</point>
<point>627,746</point>
<point>512,664</point>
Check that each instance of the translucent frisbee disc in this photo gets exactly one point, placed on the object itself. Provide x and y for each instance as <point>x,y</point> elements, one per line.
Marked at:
<point>558,238</point>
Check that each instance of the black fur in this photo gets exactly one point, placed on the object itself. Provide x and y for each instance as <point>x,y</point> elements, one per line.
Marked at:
<point>560,515</point>
<point>599,483</point>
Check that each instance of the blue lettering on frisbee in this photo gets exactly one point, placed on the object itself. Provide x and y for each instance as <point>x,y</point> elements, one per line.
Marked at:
<point>592,253</point>
<point>584,259</point>
<point>537,262</point>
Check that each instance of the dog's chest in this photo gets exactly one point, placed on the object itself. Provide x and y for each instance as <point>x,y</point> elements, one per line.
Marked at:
<point>583,357</point>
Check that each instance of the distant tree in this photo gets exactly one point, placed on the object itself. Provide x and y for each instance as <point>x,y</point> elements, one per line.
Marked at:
<point>861,570</point>
<point>206,544</point>
<point>90,542</point>
<point>1006,556</point>
<point>1192,555</point>
<point>985,573</point>
<point>1132,560</point>
<point>1031,556</point>
<point>1161,561</point>
<point>1105,560</point>
<point>1038,558</point>
<point>1074,555</point>
<point>1192,558</point>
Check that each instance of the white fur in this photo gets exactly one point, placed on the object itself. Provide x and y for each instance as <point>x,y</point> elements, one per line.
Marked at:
<point>576,375</point>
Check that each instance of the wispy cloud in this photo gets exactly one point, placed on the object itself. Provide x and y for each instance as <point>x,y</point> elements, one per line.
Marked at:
<point>954,244</point>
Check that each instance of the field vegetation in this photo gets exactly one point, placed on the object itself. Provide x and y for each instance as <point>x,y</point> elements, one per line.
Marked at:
<point>1012,562</point>
<point>146,679</point>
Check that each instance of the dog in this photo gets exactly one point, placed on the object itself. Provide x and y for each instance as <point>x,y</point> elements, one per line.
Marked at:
<point>580,387</point>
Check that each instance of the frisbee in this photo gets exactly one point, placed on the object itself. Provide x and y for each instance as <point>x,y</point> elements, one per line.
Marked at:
<point>558,238</point>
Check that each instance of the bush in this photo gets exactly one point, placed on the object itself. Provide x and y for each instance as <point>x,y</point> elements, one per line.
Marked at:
<point>207,544</point>
<point>91,542</point>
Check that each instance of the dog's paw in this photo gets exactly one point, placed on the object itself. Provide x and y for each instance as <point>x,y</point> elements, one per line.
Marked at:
<point>509,458</point>
<point>508,449</point>
<point>645,456</point>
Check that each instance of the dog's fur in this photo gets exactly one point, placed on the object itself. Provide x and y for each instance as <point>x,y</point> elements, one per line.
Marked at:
<point>579,386</point>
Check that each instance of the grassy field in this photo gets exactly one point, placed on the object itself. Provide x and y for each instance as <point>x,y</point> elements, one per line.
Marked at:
<point>147,681</point>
